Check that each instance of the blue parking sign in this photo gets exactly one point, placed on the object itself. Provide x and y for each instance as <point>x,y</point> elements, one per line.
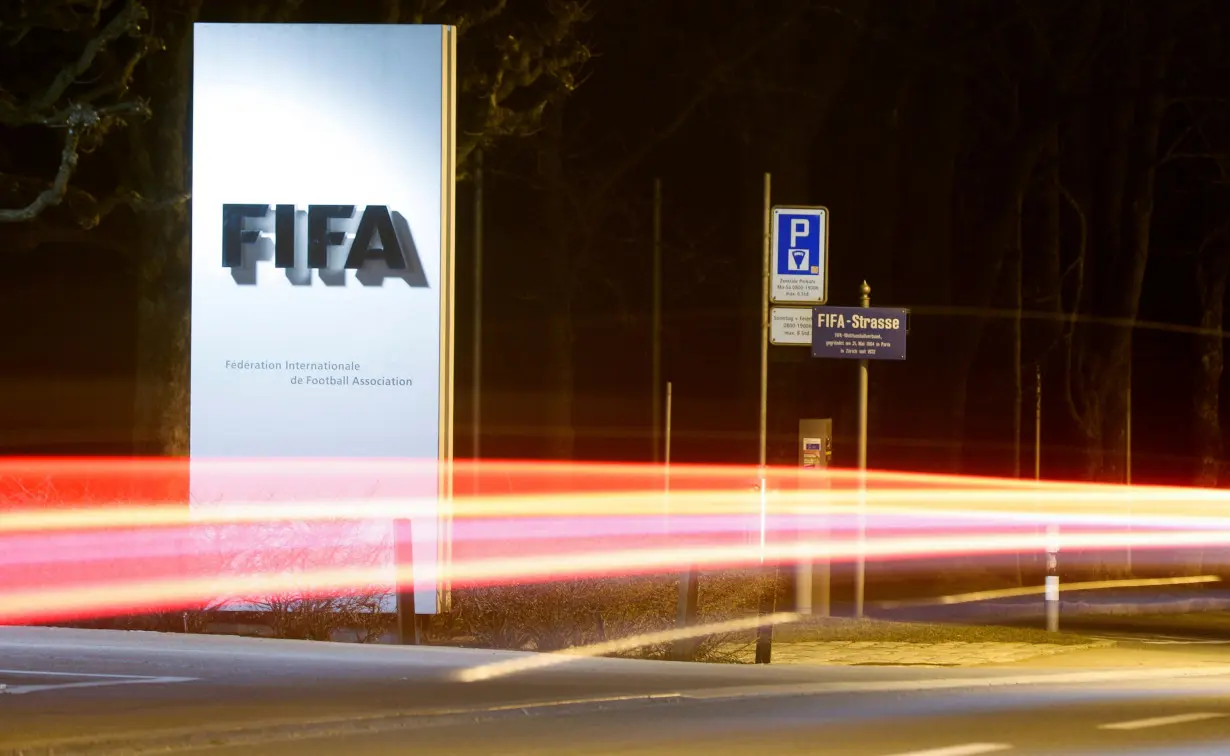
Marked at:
<point>800,250</point>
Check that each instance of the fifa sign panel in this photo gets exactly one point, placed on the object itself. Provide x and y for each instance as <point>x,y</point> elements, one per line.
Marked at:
<point>322,265</point>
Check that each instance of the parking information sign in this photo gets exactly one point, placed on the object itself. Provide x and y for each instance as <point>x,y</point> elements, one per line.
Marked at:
<point>859,333</point>
<point>799,274</point>
<point>790,326</point>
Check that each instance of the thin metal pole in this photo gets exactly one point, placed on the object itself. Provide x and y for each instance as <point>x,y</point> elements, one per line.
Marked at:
<point>689,583</point>
<point>1052,530</point>
<point>476,400</point>
<point>764,330</point>
<point>666,452</point>
<point>1037,431</point>
<point>655,332</point>
<point>1018,378</point>
<point>1127,465</point>
<point>764,635</point>
<point>1038,422</point>
<point>1127,450</point>
<point>860,565</point>
<point>762,457</point>
<point>1052,578</point>
<point>408,625</point>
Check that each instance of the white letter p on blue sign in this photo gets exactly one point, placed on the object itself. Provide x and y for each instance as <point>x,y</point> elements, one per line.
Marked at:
<point>798,228</point>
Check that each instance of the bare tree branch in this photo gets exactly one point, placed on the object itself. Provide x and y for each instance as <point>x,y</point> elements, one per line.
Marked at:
<point>119,86</point>
<point>127,21</point>
<point>544,59</point>
<point>86,118</point>
<point>466,22</point>
<point>54,194</point>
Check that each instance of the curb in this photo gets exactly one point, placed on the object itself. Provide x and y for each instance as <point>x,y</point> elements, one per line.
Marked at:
<point>1070,608</point>
<point>1040,650</point>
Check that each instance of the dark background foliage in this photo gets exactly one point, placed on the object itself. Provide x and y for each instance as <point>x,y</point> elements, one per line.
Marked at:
<point>1042,181</point>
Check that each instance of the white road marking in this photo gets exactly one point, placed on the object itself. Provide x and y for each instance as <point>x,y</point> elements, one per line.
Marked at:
<point>526,663</point>
<point>1034,590</point>
<point>90,680</point>
<point>1162,640</point>
<point>968,749</point>
<point>950,683</point>
<point>17,690</point>
<point>41,673</point>
<point>1140,724</point>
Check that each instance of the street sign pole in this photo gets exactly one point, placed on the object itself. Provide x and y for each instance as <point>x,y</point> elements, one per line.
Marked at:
<point>860,565</point>
<point>794,280</point>
<point>764,340</point>
<point>409,627</point>
<point>764,634</point>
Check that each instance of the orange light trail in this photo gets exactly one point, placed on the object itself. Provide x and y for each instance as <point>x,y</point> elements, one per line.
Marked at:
<point>156,592</point>
<point>533,490</point>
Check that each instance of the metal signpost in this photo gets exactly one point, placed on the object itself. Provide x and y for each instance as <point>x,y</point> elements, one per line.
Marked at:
<point>796,264</point>
<point>860,333</point>
<point>799,276</point>
<point>1051,596</point>
<point>795,290</point>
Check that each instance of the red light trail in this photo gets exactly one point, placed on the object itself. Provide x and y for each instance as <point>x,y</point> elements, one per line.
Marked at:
<point>88,537</point>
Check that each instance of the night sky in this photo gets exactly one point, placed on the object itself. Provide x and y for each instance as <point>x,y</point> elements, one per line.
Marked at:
<point>910,121</point>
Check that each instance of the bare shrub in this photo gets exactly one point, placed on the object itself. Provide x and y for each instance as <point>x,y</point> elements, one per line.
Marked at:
<point>299,548</point>
<point>557,615</point>
<point>727,595</point>
<point>563,614</point>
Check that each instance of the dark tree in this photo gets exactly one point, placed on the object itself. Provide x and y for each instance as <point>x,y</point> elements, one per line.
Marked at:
<point>66,90</point>
<point>1109,175</point>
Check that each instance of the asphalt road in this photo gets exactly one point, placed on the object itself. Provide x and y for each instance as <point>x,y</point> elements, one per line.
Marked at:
<point>108,692</point>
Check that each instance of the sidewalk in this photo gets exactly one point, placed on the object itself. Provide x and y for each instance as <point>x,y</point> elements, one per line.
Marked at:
<point>843,641</point>
<point>951,654</point>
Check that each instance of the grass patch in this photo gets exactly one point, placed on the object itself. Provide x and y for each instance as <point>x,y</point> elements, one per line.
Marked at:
<point>881,631</point>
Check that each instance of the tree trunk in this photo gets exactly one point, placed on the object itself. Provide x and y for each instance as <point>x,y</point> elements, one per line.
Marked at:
<point>160,164</point>
<point>1018,305</point>
<point>162,339</point>
<point>559,394</point>
<point>1212,271</point>
<point>1042,234</point>
<point>992,217</point>
<point>926,149</point>
<point>1122,218</point>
